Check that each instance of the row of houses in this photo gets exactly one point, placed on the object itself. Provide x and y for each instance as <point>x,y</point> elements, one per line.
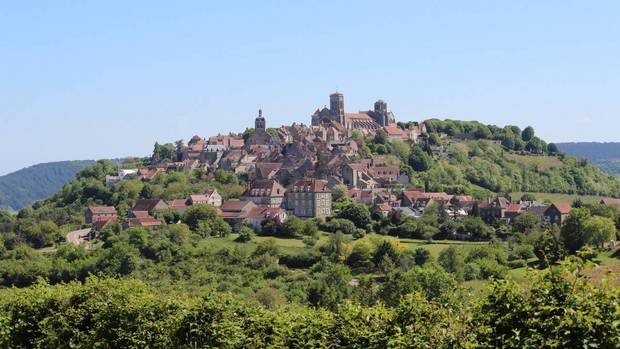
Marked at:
<point>265,199</point>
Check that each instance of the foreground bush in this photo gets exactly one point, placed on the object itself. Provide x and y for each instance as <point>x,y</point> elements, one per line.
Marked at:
<point>560,310</point>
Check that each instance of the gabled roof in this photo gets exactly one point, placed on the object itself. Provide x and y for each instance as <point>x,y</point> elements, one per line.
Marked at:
<point>562,208</point>
<point>514,208</point>
<point>147,204</point>
<point>236,206</point>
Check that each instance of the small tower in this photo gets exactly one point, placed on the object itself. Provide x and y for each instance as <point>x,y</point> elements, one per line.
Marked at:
<point>381,111</point>
<point>259,123</point>
<point>336,106</point>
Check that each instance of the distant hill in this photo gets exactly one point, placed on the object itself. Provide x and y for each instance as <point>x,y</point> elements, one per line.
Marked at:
<point>604,155</point>
<point>22,188</point>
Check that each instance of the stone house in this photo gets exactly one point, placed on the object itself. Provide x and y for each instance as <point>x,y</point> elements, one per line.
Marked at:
<point>310,198</point>
<point>557,213</point>
<point>265,193</point>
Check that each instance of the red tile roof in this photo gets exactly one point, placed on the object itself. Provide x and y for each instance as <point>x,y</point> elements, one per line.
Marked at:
<point>563,208</point>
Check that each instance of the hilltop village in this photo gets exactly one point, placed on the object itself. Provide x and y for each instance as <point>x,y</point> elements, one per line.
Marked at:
<point>293,170</point>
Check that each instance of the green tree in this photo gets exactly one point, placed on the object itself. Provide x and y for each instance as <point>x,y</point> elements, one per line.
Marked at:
<point>527,134</point>
<point>419,160</point>
<point>573,231</point>
<point>356,213</point>
<point>599,230</point>
<point>453,261</point>
<point>197,213</point>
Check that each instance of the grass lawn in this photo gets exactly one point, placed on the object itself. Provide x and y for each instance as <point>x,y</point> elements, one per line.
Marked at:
<point>560,198</point>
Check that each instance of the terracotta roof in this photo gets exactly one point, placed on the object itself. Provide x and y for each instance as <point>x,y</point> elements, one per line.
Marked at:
<point>361,116</point>
<point>393,130</point>
<point>563,208</point>
<point>146,204</point>
<point>102,210</point>
<point>514,208</point>
<point>177,203</point>
<point>236,206</point>
<point>143,222</point>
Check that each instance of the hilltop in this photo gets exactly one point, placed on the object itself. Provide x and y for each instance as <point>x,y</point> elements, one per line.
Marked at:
<point>353,219</point>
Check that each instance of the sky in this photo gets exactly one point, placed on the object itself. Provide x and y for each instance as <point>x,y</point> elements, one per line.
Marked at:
<point>106,79</point>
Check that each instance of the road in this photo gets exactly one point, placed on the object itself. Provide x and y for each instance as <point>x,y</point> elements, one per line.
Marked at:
<point>77,237</point>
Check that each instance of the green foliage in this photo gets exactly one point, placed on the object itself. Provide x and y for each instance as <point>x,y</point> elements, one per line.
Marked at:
<point>558,311</point>
<point>356,213</point>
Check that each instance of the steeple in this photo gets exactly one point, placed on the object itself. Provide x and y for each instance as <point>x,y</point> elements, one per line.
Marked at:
<point>259,123</point>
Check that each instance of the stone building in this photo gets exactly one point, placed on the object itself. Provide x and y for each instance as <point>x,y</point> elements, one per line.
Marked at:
<point>364,120</point>
<point>310,198</point>
<point>266,193</point>
<point>260,136</point>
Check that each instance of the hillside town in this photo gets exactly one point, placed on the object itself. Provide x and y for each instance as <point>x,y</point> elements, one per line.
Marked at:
<point>293,170</point>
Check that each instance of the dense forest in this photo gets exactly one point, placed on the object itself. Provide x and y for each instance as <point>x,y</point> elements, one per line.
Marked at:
<point>357,279</point>
<point>22,188</point>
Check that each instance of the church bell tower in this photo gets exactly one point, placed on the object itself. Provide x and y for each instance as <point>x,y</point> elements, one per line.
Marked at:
<point>259,123</point>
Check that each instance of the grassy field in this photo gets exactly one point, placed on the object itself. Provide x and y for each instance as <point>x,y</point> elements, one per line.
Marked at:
<point>436,247</point>
<point>560,198</point>
<point>543,163</point>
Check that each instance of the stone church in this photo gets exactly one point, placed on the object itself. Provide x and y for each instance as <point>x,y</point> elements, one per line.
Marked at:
<point>364,120</point>
<point>260,136</point>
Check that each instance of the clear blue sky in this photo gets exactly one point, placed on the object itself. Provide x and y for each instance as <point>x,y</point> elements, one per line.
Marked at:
<point>88,80</point>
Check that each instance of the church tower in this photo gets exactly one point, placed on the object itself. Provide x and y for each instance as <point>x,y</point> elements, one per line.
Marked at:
<point>336,107</point>
<point>381,112</point>
<point>259,123</point>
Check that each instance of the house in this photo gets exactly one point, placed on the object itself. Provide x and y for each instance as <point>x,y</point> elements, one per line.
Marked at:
<point>236,212</point>
<point>147,175</point>
<point>491,210</point>
<point>100,216</point>
<point>361,196</point>
<point>258,215</point>
<point>512,212</point>
<point>537,210</point>
<point>267,170</point>
<point>356,175</point>
<point>310,198</point>
<point>179,205</point>
<point>266,193</point>
<point>146,206</point>
<point>385,173</point>
<point>557,213</point>
<point>210,197</point>
<point>230,141</point>
<point>396,133</point>
<point>421,199</point>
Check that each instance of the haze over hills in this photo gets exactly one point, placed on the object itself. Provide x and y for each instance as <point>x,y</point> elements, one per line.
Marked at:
<point>605,155</point>
<point>37,182</point>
